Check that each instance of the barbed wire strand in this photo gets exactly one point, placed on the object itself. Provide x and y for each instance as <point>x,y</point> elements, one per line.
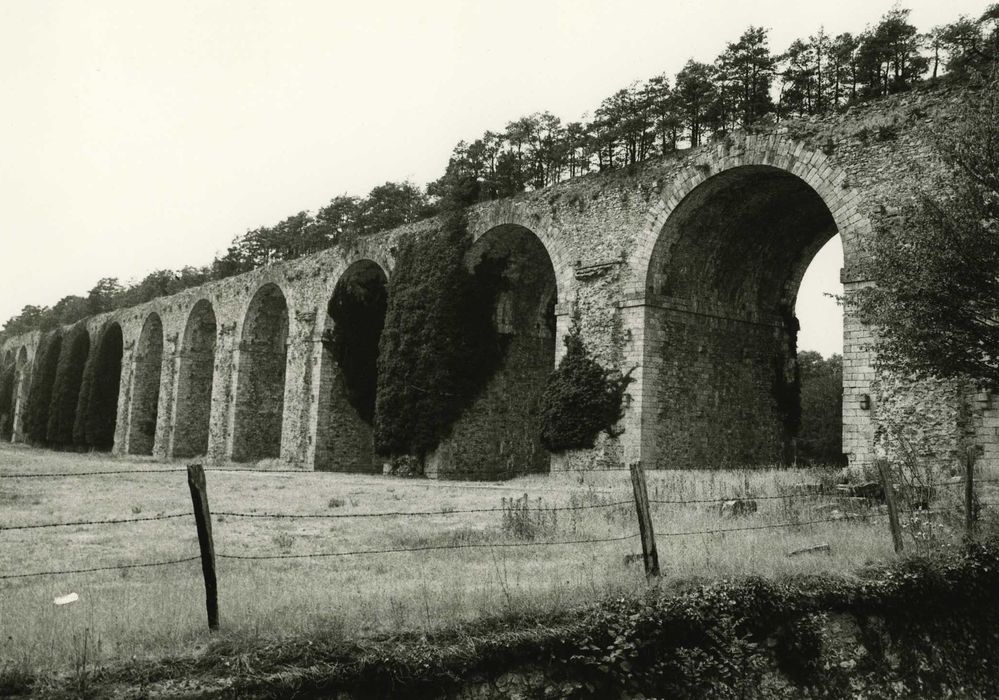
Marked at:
<point>416,512</point>
<point>119,521</point>
<point>68,572</point>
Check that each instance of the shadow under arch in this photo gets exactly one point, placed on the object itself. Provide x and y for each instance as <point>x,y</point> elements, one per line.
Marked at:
<point>721,383</point>
<point>147,370</point>
<point>97,408</point>
<point>195,380</point>
<point>499,435</point>
<point>260,377</point>
<point>348,369</point>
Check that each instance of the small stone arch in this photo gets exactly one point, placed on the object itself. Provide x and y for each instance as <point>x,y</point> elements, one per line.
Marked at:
<point>261,369</point>
<point>195,381</point>
<point>507,214</point>
<point>147,370</point>
<point>349,329</point>
<point>97,408</point>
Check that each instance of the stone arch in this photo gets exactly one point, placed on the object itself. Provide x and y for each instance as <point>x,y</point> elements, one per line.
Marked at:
<point>195,379</point>
<point>260,376</point>
<point>42,382</point>
<point>73,356</point>
<point>147,370</point>
<point>511,214</point>
<point>719,267</point>
<point>500,433</point>
<point>21,388</point>
<point>811,166</point>
<point>8,391</point>
<point>347,369</point>
<point>97,409</point>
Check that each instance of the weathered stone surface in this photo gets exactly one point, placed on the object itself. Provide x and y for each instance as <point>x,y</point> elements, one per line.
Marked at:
<point>684,270</point>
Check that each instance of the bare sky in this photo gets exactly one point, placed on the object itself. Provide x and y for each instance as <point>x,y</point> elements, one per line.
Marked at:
<point>140,135</point>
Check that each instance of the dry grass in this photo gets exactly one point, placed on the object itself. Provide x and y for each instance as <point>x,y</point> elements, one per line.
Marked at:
<point>153,611</point>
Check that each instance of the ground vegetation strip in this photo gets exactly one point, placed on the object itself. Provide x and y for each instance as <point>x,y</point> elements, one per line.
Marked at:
<point>471,552</point>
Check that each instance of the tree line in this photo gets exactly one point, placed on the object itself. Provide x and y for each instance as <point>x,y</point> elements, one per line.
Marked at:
<point>747,85</point>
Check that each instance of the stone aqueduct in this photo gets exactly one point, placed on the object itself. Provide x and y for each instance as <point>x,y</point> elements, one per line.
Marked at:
<point>685,270</point>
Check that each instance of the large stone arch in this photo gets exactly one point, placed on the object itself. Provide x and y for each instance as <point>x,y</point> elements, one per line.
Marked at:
<point>195,382</point>
<point>344,366</point>
<point>716,272</point>
<point>499,434</point>
<point>261,369</point>
<point>147,372</point>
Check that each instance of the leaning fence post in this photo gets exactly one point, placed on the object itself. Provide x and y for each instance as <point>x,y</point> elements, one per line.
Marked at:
<point>649,554</point>
<point>203,520</point>
<point>970,512</point>
<point>886,483</point>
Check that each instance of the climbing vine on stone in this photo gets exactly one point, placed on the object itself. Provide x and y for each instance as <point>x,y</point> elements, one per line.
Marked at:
<point>580,399</point>
<point>439,346</point>
<point>6,402</point>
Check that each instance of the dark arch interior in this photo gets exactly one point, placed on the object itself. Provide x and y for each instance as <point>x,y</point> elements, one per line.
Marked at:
<point>99,393</point>
<point>147,367</point>
<point>66,387</point>
<point>349,369</point>
<point>8,380</point>
<point>40,397</point>
<point>500,434</point>
<point>357,309</point>
<point>721,293</point>
<point>194,382</point>
<point>263,355</point>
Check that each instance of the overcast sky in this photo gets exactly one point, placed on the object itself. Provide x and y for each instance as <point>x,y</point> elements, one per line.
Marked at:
<point>142,135</point>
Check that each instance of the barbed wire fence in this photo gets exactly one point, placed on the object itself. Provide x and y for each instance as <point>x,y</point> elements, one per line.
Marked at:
<point>645,531</point>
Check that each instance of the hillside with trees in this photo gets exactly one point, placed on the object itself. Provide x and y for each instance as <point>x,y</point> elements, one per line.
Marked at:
<point>747,84</point>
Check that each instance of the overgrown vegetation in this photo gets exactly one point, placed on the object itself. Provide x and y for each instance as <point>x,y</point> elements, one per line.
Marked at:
<point>66,387</point>
<point>36,418</point>
<point>937,294</point>
<point>922,627</point>
<point>747,84</point>
<point>820,438</point>
<point>439,346</point>
<point>580,399</point>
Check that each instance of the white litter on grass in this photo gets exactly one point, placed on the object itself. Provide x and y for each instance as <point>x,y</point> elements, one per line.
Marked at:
<point>67,599</point>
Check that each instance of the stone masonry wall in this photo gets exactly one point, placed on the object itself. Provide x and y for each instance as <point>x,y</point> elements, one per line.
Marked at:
<point>600,234</point>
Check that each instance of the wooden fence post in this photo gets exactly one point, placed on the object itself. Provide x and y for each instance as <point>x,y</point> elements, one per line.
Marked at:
<point>886,482</point>
<point>970,512</point>
<point>649,553</point>
<point>203,520</point>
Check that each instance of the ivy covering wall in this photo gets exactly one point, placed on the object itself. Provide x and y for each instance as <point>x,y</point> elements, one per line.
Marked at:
<point>36,418</point>
<point>66,387</point>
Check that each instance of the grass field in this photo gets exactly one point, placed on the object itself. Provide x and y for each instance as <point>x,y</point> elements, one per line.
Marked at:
<point>152,611</point>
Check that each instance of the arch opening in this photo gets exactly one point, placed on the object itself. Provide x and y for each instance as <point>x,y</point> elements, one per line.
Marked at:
<point>355,316</point>
<point>66,387</point>
<point>21,387</point>
<point>721,331</point>
<point>147,371</point>
<point>40,397</point>
<point>8,383</point>
<point>97,413</point>
<point>263,355</point>
<point>500,434</point>
<point>195,379</point>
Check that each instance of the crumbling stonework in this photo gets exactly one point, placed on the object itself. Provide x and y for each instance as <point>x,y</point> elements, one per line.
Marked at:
<point>683,270</point>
